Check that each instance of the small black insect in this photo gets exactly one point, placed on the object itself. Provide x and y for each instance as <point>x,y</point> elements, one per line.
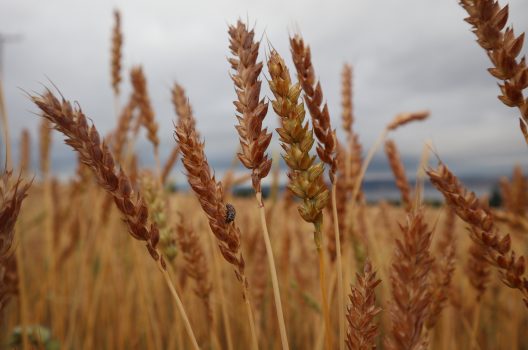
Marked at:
<point>230,213</point>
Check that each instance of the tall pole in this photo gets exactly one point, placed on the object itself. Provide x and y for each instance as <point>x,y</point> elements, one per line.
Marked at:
<point>5,38</point>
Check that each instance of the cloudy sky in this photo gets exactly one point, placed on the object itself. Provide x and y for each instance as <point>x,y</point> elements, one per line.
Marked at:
<point>407,55</point>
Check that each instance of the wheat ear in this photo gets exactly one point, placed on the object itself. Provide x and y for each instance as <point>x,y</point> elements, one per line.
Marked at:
<point>362,330</point>
<point>443,270</point>
<point>496,248</point>
<point>398,170</point>
<point>116,55</point>
<point>11,196</point>
<point>503,48</point>
<point>410,284</point>
<point>146,115</point>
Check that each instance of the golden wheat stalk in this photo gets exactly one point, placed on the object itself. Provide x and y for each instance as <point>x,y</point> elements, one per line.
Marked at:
<point>326,149</point>
<point>306,177</point>
<point>254,139</point>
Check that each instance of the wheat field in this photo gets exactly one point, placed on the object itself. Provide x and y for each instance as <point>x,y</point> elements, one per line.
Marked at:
<point>308,264</point>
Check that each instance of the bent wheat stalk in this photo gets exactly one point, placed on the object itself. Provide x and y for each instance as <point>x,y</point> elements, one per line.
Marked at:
<point>495,248</point>
<point>96,155</point>
<point>221,215</point>
<point>398,121</point>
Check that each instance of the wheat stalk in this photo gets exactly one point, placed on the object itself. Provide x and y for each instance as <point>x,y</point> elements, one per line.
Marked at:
<point>254,140</point>
<point>146,113</point>
<point>326,149</point>
<point>211,198</point>
<point>306,177</point>
<point>25,152</point>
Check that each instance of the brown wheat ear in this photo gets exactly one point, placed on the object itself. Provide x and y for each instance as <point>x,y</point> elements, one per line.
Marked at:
<point>347,114</point>
<point>195,263</point>
<point>443,270</point>
<point>495,247</point>
<point>405,118</point>
<point>220,214</point>
<point>117,46</point>
<point>503,48</point>
<point>362,331</point>
<point>182,107</point>
<point>313,96</point>
<point>398,170</point>
<point>123,126</point>
<point>210,195</point>
<point>254,140</point>
<point>410,281</point>
<point>95,154</point>
<point>11,197</point>
<point>183,111</point>
<point>142,100</point>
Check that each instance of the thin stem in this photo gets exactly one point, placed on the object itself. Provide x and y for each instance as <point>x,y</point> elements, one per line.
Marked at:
<point>158,166</point>
<point>249,309</point>
<point>179,304</point>
<point>339,262</point>
<point>366,162</point>
<point>475,326</point>
<point>220,288</point>
<point>359,180</point>
<point>22,295</point>
<point>51,281</point>
<point>5,126</point>
<point>273,271</point>
<point>326,313</point>
<point>145,300</point>
<point>117,107</point>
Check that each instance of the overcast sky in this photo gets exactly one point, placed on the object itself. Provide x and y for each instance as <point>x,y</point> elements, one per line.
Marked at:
<point>407,55</point>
